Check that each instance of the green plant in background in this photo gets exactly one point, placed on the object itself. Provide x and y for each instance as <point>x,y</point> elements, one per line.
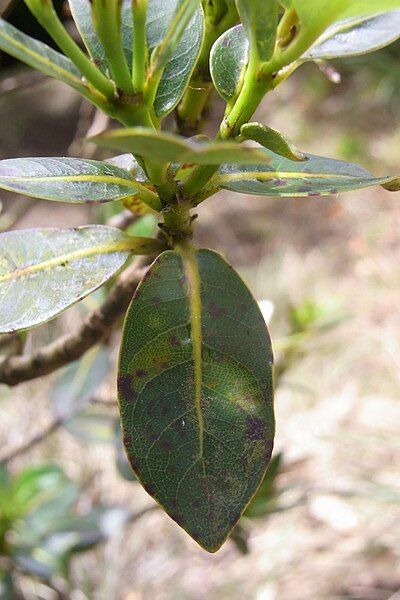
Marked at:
<point>40,529</point>
<point>195,371</point>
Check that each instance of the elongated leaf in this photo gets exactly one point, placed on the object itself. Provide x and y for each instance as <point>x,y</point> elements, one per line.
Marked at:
<point>259,18</point>
<point>195,391</point>
<point>70,180</point>
<point>179,69</point>
<point>82,16</point>
<point>228,58</point>
<point>272,140</point>
<point>314,12</point>
<point>356,36</point>
<point>44,271</point>
<point>40,57</point>
<point>167,147</point>
<point>318,176</point>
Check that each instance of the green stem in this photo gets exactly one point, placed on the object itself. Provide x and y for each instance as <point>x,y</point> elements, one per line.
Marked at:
<point>139,48</point>
<point>254,88</point>
<point>47,17</point>
<point>107,20</point>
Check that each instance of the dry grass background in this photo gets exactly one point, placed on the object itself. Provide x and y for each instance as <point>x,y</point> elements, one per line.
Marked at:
<point>338,409</point>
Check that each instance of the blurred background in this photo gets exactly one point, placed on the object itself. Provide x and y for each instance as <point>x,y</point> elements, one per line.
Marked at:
<point>326,521</point>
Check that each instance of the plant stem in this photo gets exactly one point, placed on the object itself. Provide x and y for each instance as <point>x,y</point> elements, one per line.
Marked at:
<point>107,20</point>
<point>48,18</point>
<point>139,48</point>
<point>254,88</point>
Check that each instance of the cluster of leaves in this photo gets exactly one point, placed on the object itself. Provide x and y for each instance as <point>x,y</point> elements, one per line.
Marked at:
<point>195,373</point>
<point>40,528</point>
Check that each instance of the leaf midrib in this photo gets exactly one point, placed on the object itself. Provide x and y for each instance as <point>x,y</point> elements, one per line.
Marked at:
<point>191,268</point>
<point>121,246</point>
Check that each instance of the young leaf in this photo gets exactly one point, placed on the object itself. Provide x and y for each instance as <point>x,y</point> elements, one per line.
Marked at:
<point>195,392</point>
<point>318,176</point>
<point>179,69</point>
<point>356,36</point>
<point>71,180</point>
<point>41,57</point>
<point>168,147</point>
<point>44,271</point>
<point>82,16</point>
<point>259,18</point>
<point>272,140</point>
<point>228,58</point>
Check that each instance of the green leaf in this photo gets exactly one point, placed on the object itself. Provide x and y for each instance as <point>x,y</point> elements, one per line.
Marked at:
<point>314,12</point>
<point>41,57</point>
<point>356,36</point>
<point>180,67</point>
<point>318,176</point>
<point>272,140</point>
<point>71,180</point>
<point>228,59</point>
<point>44,271</point>
<point>82,15</point>
<point>264,502</point>
<point>195,391</point>
<point>260,19</point>
<point>168,147</point>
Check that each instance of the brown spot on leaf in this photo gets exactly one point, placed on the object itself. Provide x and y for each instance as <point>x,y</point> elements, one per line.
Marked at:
<point>124,383</point>
<point>214,310</point>
<point>255,429</point>
<point>141,373</point>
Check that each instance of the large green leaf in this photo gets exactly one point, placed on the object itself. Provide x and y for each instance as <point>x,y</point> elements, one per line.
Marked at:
<point>82,15</point>
<point>195,392</point>
<point>40,57</point>
<point>317,176</point>
<point>229,56</point>
<point>259,18</point>
<point>44,271</point>
<point>356,36</point>
<point>168,147</point>
<point>179,69</point>
<point>70,180</point>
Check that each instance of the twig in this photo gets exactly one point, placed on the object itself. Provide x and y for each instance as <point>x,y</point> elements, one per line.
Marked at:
<point>70,347</point>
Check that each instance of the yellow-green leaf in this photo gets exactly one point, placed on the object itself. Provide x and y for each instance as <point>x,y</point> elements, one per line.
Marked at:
<point>44,271</point>
<point>168,147</point>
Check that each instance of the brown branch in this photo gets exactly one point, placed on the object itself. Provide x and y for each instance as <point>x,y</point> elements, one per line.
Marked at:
<point>70,347</point>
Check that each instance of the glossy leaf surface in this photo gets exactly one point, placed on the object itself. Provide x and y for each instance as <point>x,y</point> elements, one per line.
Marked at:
<point>68,179</point>
<point>356,36</point>
<point>179,69</point>
<point>272,140</point>
<point>44,271</point>
<point>39,56</point>
<point>259,18</point>
<point>317,176</point>
<point>228,58</point>
<point>167,147</point>
<point>195,392</point>
<point>312,12</point>
<point>82,15</point>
